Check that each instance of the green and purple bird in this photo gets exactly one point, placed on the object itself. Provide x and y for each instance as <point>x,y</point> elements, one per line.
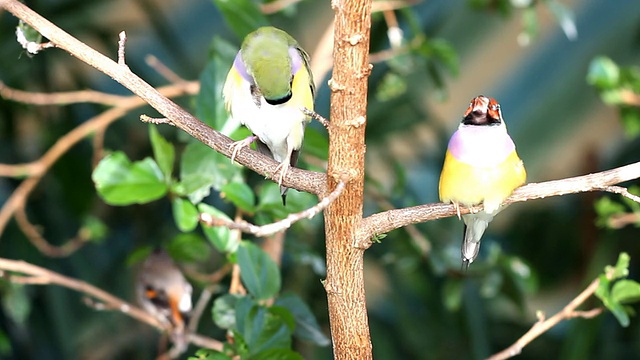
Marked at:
<point>266,89</point>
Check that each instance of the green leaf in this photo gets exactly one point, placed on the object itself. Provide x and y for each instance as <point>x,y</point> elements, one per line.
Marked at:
<point>120,182</point>
<point>391,86</point>
<point>224,311</point>
<point>307,327</point>
<point>277,354</point>
<point>316,143</point>
<point>603,73</point>
<point>163,152</point>
<point>16,303</point>
<point>622,266</point>
<point>202,168</point>
<point>188,247</point>
<point>209,103</point>
<point>452,294</point>
<point>625,291</point>
<point>620,313</point>
<point>630,118</point>
<point>444,52</point>
<point>94,229</point>
<point>185,214</point>
<point>258,271</point>
<point>138,255</point>
<point>242,16</point>
<point>262,328</point>
<point>208,354</point>
<point>240,194</point>
<point>219,236</point>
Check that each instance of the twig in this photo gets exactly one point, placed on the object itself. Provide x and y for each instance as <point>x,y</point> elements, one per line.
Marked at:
<point>32,47</point>
<point>121,45</point>
<point>37,169</point>
<point>543,325</point>
<point>42,276</point>
<point>308,181</point>
<point>265,230</point>
<point>235,287</point>
<point>198,310</point>
<point>60,98</point>
<point>392,5</point>
<point>630,98</point>
<point>211,279</point>
<point>619,221</point>
<point>147,119</point>
<point>386,221</point>
<point>418,238</point>
<point>622,191</point>
<point>275,6</point>
<point>322,120</point>
<point>163,70</point>
<point>42,244</point>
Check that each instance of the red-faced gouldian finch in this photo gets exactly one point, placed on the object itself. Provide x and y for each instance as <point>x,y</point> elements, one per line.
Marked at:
<point>481,166</point>
<point>163,291</point>
<point>268,85</point>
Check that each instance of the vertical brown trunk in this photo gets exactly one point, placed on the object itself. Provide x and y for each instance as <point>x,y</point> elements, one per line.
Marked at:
<point>345,276</point>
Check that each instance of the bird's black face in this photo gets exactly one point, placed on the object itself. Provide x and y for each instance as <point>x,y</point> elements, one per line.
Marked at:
<point>483,111</point>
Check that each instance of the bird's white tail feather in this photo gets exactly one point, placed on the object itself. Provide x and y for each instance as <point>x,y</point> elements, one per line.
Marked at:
<point>476,224</point>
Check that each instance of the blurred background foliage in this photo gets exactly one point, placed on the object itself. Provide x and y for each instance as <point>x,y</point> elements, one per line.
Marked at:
<point>559,69</point>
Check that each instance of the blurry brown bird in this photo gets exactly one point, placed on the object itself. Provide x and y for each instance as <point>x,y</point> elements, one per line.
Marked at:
<point>163,291</point>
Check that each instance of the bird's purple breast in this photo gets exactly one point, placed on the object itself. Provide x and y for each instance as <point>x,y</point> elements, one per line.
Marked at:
<point>481,145</point>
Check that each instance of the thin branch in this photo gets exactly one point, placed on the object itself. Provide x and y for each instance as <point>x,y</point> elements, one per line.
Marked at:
<point>275,6</point>
<point>42,276</point>
<point>543,325</point>
<point>386,221</point>
<point>121,45</point>
<point>60,98</point>
<point>198,310</point>
<point>147,119</point>
<point>37,169</point>
<point>163,70</point>
<point>309,181</point>
<point>622,191</point>
<point>269,229</point>
<point>619,221</point>
<point>321,119</point>
<point>630,98</point>
<point>42,244</point>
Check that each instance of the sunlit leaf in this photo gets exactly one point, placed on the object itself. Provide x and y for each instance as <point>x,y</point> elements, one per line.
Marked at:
<point>185,214</point>
<point>603,73</point>
<point>240,194</point>
<point>219,236</point>
<point>202,168</point>
<point>121,182</point>
<point>625,291</point>
<point>163,151</point>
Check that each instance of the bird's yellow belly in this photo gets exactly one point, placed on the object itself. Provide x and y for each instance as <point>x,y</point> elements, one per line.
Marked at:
<point>470,185</point>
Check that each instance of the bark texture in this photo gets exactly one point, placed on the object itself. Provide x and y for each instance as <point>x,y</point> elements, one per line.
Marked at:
<point>343,218</point>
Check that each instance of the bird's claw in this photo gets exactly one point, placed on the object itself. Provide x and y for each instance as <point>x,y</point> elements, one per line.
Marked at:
<point>238,145</point>
<point>457,207</point>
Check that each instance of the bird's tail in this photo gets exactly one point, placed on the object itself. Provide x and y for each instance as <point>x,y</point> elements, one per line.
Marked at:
<point>474,227</point>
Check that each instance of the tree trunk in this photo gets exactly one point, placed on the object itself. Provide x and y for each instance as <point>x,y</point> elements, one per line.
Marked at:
<point>345,275</point>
